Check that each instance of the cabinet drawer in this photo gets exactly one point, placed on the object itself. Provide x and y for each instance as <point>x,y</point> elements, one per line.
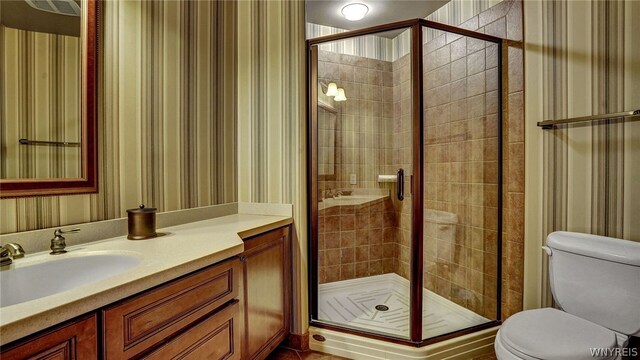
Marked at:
<point>139,323</point>
<point>75,340</point>
<point>216,337</point>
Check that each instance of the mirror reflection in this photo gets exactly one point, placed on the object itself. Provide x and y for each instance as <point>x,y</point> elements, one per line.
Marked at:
<point>327,117</point>
<point>40,88</point>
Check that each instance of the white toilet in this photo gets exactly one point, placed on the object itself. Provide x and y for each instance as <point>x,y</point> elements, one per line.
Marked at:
<point>596,282</point>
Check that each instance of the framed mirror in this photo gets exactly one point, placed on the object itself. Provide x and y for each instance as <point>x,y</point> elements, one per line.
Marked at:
<point>48,107</point>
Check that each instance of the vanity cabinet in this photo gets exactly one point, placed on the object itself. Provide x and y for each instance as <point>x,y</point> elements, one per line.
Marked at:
<point>77,339</point>
<point>239,308</point>
<point>188,317</point>
<point>266,264</point>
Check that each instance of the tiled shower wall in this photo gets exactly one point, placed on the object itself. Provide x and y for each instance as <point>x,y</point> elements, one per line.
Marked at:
<point>358,241</point>
<point>461,170</point>
<point>400,156</point>
<point>368,87</point>
<point>471,191</point>
<point>355,241</point>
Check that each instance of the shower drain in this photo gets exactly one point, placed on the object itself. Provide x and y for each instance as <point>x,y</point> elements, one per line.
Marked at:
<point>382,307</point>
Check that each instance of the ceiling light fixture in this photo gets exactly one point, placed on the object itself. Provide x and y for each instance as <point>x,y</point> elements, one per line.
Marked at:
<point>355,11</point>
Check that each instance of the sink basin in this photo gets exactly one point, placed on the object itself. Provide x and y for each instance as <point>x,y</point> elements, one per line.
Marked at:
<point>38,279</point>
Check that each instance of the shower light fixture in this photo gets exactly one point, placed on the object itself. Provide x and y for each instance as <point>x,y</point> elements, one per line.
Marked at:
<point>340,96</point>
<point>355,11</point>
<point>332,89</point>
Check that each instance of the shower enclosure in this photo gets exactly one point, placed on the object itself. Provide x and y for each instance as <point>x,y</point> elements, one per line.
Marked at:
<point>405,180</point>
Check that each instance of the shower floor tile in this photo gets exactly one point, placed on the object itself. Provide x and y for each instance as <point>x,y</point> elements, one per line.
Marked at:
<point>353,303</point>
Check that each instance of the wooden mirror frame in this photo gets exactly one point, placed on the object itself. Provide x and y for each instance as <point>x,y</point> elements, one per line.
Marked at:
<point>88,183</point>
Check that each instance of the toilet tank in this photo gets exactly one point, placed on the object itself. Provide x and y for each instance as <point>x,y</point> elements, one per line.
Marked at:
<point>440,224</point>
<point>597,278</point>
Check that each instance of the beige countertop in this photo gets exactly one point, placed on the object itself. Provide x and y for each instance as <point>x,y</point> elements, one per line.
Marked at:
<point>181,250</point>
<point>351,200</point>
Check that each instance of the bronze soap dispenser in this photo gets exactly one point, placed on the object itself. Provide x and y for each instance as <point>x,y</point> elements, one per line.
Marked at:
<point>142,223</point>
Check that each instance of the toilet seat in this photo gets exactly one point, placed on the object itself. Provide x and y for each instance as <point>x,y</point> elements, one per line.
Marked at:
<point>503,353</point>
<point>552,334</point>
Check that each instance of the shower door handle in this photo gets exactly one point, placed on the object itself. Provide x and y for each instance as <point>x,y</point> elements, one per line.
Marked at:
<point>400,184</point>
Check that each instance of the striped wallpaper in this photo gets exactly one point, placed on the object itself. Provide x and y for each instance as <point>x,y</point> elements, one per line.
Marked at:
<point>595,152</point>
<point>272,120</point>
<point>167,118</point>
<point>369,46</point>
<point>585,56</point>
<point>40,93</point>
<point>456,12</point>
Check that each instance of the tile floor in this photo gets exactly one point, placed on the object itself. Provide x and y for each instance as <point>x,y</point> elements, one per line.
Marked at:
<point>486,357</point>
<point>282,353</point>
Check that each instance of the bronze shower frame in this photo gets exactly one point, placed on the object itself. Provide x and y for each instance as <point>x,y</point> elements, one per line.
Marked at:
<point>416,262</point>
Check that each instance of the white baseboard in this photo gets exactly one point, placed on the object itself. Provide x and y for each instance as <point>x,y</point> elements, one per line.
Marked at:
<point>361,348</point>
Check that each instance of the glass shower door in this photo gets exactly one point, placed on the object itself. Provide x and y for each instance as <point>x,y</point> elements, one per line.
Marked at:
<point>405,181</point>
<point>461,101</point>
<point>362,149</point>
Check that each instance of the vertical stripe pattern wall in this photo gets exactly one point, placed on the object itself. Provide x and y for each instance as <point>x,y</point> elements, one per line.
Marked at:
<point>607,215</point>
<point>167,115</point>
<point>272,121</point>
<point>555,107</point>
<point>458,11</point>
<point>586,66</point>
<point>379,47</point>
<point>270,98</point>
<point>40,76</point>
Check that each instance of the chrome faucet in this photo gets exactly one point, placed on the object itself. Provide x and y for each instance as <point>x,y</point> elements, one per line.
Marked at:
<point>58,243</point>
<point>9,252</point>
<point>327,194</point>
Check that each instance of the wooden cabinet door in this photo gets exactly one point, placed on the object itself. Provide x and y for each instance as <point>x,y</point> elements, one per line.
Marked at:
<point>267,291</point>
<point>216,337</point>
<point>74,340</point>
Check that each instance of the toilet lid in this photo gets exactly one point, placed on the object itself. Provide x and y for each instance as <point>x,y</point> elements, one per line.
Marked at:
<point>554,334</point>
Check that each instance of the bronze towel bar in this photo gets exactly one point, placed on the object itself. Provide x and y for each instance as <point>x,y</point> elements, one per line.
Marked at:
<point>550,124</point>
<point>51,143</point>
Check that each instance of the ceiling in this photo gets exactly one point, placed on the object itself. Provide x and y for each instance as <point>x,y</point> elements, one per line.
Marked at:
<point>327,12</point>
